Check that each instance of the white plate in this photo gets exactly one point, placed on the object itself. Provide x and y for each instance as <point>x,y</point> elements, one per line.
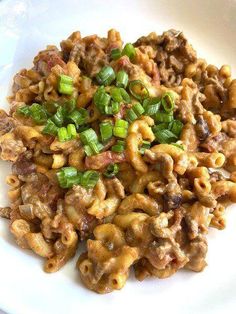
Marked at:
<point>25,28</point>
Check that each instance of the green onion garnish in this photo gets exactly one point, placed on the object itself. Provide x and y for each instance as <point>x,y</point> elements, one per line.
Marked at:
<point>89,179</point>
<point>70,105</point>
<point>131,115</point>
<point>115,53</point>
<point>69,171</point>
<point>38,113</point>
<point>121,123</point>
<point>106,130</point>
<point>120,95</point>
<point>116,94</point>
<point>138,89</point>
<point>108,110</point>
<point>165,136</point>
<point>63,134</point>
<point>78,116</point>
<point>176,127</point>
<point>106,76</point>
<point>122,79</point>
<point>69,176</point>
<point>59,116</point>
<point>163,117</point>
<point>138,109</point>
<point>121,128</point>
<point>135,112</point>
<point>161,126</point>
<point>111,170</point>
<point>167,102</point>
<point>94,147</point>
<point>145,145</point>
<point>50,107</point>
<point>129,51</point>
<point>120,132</point>
<point>119,147</point>
<point>101,99</point>
<point>151,106</point>
<point>88,136</point>
<point>50,128</point>
<point>24,110</point>
<point>71,130</point>
<point>64,174</point>
<point>88,150</point>
<point>115,107</point>
<point>65,84</point>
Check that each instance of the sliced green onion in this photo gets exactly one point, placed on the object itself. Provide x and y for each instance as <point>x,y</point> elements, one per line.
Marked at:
<point>69,171</point>
<point>101,99</point>
<point>120,95</point>
<point>58,117</point>
<point>163,117</point>
<point>115,53</point>
<point>111,170</point>
<point>100,146</point>
<point>176,127</point>
<point>119,147</point>
<point>50,128</point>
<point>116,94</point>
<point>78,117</point>
<point>145,145</point>
<point>24,110</point>
<point>69,176</point>
<point>88,150</point>
<point>89,179</point>
<point>161,126</point>
<point>106,76</point>
<point>151,106</point>
<point>94,146</point>
<point>121,123</point>
<point>38,113</point>
<point>108,110</point>
<point>70,105</point>
<point>122,79</point>
<point>131,115</point>
<point>63,134</point>
<point>167,102</point>
<point>76,180</point>
<point>88,136</point>
<point>71,130</point>
<point>106,130</point>
<point>138,109</point>
<point>83,112</point>
<point>65,89</point>
<point>121,128</point>
<point>65,79</point>
<point>120,132</point>
<point>115,107</point>
<point>129,51</point>
<point>51,107</point>
<point>138,89</point>
<point>64,174</point>
<point>65,84</point>
<point>125,95</point>
<point>165,136</point>
<point>83,128</point>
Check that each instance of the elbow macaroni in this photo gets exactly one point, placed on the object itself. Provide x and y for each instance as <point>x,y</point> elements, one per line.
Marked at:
<point>154,210</point>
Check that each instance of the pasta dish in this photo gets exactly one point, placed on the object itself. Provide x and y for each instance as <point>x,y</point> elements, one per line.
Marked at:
<point>131,148</point>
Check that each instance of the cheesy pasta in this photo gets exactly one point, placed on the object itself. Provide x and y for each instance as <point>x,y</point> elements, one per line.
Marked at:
<point>121,146</point>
